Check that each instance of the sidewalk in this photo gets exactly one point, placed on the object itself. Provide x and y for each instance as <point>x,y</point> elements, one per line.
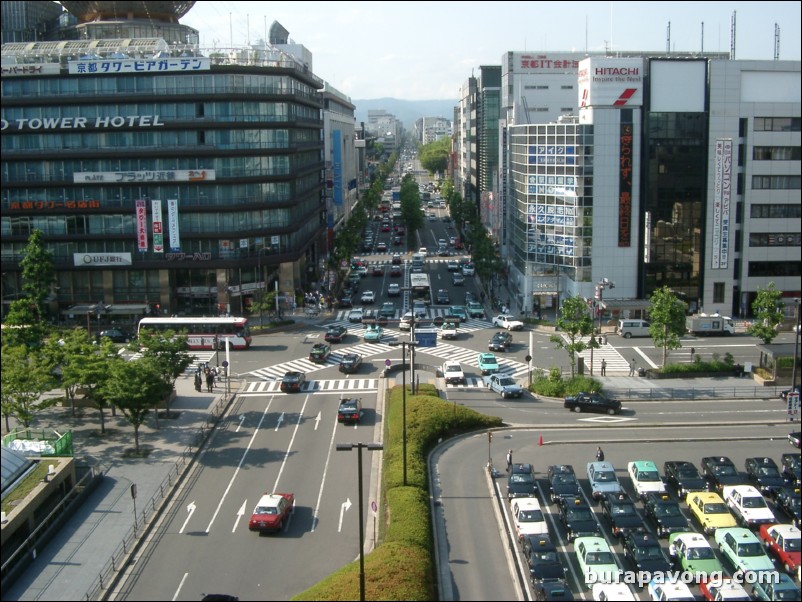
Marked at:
<point>100,533</point>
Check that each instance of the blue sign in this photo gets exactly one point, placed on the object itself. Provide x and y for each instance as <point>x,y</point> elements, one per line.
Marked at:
<point>426,339</point>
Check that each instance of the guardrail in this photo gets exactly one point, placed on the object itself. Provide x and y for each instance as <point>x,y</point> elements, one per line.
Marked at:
<point>672,393</point>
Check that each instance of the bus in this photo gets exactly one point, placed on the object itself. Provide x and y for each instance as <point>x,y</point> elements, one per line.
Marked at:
<point>202,333</point>
<point>420,287</point>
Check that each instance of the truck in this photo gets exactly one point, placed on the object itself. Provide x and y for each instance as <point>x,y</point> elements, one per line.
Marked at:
<point>504,385</point>
<point>703,324</point>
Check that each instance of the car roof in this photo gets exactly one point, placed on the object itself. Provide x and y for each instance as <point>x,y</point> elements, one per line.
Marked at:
<point>270,499</point>
<point>744,490</point>
<point>597,466</point>
<point>741,534</point>
<point>526,503</point>
<point>293,373</point>
<point>706,496</point>
<point>643,465</point>
<point>693,540</point>
<point>592,541</point>
<point>785,530</point>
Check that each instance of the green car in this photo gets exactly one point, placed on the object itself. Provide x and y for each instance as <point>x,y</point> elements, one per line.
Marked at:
<point>373,333</point>
<point>596,560</point>
<point>487,363</point>
<point>743,549</point>
<point>693,554</point>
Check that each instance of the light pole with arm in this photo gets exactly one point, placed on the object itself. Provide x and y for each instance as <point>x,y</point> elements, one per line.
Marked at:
<point>359,447</point>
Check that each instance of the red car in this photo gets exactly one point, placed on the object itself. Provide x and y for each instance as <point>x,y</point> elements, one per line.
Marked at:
<point>272,512</point>
<point>782,542</point>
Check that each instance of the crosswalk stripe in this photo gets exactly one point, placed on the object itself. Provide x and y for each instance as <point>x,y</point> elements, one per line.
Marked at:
<point>313,386</point>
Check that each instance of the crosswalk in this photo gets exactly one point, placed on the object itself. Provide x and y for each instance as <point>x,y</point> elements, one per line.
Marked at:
<point>199,359</point>
<point>469,357</point>
<point>470,325</point>
<point>616,363</point>
<point>313,386</point>
<point>304,365</point>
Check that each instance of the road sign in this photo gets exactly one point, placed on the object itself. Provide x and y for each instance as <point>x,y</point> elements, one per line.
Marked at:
<point>388,363</point>
<point>225,363</point>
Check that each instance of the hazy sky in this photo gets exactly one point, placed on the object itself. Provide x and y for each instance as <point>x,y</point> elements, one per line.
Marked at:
<point>426,50</point>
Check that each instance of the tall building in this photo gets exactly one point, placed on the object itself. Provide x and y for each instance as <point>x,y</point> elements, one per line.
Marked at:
<point>165,178</point>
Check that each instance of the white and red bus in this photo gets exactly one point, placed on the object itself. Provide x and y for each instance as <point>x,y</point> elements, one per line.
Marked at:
<point>203,333</point>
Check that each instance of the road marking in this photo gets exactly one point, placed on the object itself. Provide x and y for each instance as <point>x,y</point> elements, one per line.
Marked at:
<point>608,419</point>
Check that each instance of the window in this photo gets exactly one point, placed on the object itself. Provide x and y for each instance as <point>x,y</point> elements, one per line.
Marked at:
<point>718,292</point>
<point>778,124</point>
<point>777,153</point>
<point>784,211</point>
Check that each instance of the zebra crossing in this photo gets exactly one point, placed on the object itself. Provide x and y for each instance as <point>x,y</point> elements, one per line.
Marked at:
<point>313,386</point>
<point>470,358</point>
<point>200,359</point>
<point>304,365</point>
<point>470,325</point>
<point>615,361</point>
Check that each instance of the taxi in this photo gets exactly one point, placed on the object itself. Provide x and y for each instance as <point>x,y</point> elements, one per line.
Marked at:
<point>710,511</point>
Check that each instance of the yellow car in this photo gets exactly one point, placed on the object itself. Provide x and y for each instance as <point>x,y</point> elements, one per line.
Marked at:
<point>710,511</point>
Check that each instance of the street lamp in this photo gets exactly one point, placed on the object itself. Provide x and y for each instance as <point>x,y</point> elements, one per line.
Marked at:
<point>412,345</point>
<point>796,345</point>
<point>597,306</point>
<point>359,447</point>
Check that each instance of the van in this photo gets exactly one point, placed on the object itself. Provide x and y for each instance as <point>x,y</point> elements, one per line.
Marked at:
<point>633,328</point>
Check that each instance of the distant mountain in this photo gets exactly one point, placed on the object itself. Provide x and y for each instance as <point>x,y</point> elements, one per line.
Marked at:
<point>406,111</point>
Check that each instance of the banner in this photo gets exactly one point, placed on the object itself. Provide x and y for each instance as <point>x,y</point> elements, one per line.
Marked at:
<point>141,226</point>
<point>158,226</point>
<point>172,223</point>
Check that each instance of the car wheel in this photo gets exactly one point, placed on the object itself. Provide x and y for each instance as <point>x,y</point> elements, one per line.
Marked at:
<point>611,411</point>
<point>627,335</point>
<point>577,409</point>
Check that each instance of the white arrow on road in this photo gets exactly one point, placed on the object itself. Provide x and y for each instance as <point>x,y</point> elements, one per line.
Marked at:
<point>241,420</point>
<point>191,510</point>
<point>240,514</point>
<point>318,418</point>
<point>280,420</point>
<point>343,509</point>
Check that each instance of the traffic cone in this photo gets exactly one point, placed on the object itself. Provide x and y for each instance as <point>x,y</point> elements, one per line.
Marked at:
<point>540,441</point>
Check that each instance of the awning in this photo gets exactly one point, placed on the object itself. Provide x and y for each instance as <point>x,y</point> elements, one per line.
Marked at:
<point>118,309</point>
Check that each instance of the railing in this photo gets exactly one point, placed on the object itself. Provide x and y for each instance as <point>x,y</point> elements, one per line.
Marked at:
<point>686,392</point>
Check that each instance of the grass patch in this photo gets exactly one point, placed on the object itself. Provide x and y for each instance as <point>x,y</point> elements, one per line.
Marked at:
<point>30,483</point>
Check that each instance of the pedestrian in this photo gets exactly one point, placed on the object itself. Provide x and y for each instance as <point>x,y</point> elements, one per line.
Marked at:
<point>209,381</point>
<point>604,367</point>
<point>198,381</point>
<point>509,461</point>
<point>599,454</point>
<point>632,368</point>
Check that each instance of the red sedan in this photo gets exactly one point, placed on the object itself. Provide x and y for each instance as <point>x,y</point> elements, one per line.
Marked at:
<point>782,542</point>
<point>272,512</point>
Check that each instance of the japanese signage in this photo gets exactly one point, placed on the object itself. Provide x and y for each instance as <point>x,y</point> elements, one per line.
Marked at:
<point>546,63</point>
<point>92,259</point>
<point>61,205</point>
<point>158,226</point>
<point>112,66</point>
<point>31,69</point>
<point>172,223</point>
<point>611,82</point>
<point>112,177</point>
<point>141,226</point>
<point>625,184</point>
<point>721,204</point>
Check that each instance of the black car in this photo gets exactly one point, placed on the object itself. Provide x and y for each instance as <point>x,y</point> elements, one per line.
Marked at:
<point>292,382</point>
<point>395,271</point>
<point>501,341</point>
<point>684,477</point>
<point>620,512</point>
<point>792,466</point>
<point>592,402</point>
<point>644,552</point>
<point>552,590</point>
<point>788,501</point>
<point>784,393</point>
<point>350,410</point>
<point>387,310</point>
<point>721,472</point>
<point>345,302</point>
<point>562,482</point>
<point>543,559</point>
<point>117,335</point>
<point>350,363</point>
<point>521,482</point>
<point>443,297</point>
<point>319,353</point>
<point>335,334</point>
<point>764,474</point>
<point>577,518</point>
<point>665,515</point>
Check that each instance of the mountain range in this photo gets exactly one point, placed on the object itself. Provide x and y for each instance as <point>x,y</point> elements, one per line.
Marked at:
<point>406,111</point>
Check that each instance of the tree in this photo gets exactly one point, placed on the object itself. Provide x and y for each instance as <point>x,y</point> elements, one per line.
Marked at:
<point>767,309</point>
<point>411,213</point>
<point>93,373</point>
<point>68,355</point>
<point>576,322</point>
<point>136,387</point>
<point>434,156</point>
<point>169,353</point>
<point>26,375</point>
<point>666,320</point>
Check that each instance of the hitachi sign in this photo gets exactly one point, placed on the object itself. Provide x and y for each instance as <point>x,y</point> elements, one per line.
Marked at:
<point>616,71</point>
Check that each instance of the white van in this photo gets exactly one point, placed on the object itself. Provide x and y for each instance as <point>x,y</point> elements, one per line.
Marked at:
<point>633,328</point>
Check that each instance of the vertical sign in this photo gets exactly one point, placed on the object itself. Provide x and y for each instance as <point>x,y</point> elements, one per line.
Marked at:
<point>158,226</point>
<point>625,182</point>
<point>337,166</point>
<point>721,204</point>
<point>172,222</point>
<point>142,226</point>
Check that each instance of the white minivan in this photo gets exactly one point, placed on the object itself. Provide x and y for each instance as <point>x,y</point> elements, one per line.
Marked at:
<point>633,328</point>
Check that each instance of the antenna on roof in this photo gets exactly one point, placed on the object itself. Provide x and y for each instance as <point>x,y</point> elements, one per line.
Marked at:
<point>703,37</point>
<point>668,38</point>
<point>776,42</point>
<point>732,37</point>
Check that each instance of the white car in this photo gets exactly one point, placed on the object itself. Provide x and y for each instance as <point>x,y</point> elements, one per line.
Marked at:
<point>362,271</point>
<point>368,297</point>
<point>405,323</point>
<point>452,373</point>
<point>528,518</point>
<point>612,592</point>
<point>508,322</point>
<point>645,478</point>
<point>355,315</point>
<point>393,290</point>
<point>748,505</point>
<point>670,592</point>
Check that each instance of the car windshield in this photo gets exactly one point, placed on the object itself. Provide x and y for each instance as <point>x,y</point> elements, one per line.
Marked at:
<point>754,502</point>
<point>647,552</point>
<point>668,510</point>
<point>505,382</point>
<point>564,479</point>
<point>701,554</point>
<point>769,471</point>
<point>531,516</point>
<point>688,473</point>
<point>716,508</point>
<point>623,509</point>
<point>579,514</point>
<point>453,369</point>
<point>791,545</point>
<point>649,476</point>
<point>750,549</point>
<point>545,557</point>
<point>604,476</point>
<point>522,478</point>
<point>599,558</point>
<point>725,471</point>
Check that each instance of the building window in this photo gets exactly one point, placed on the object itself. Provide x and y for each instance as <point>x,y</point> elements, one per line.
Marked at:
<point>778,124</point>
<point>776,182</point>
<point>785,211</point>
<point>775,239</point>
<point>718,292</point>
<point>777,153</point>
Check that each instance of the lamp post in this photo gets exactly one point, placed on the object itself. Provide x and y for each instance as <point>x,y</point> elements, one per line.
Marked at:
<point>796,345</point>
<point>359,447</point>
<point>412,345</point>
<point>598,305</point>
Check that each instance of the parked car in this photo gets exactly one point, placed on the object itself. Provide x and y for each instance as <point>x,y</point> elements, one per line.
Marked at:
<point>272,512</point>
<point>684,477</point>
<point>542,557</point>
<point>645,554</point>
<point>521,481</point>
<point>602,479</point>
<point>292,381</point>
<point>791,468</point>
<point>720,471</point>
<point>645,478</point>
<point>788,501</point>
<point>710,511</point>
<point>528,518</point>
<point>620,512</point>
<point>577,517</point>
<point>596,560</point>
<point>782,542</point>
<point>764,474</point>
<point>692,553</point>
<point>743,550</point>
<point>748,506</point>
<point>665,515</point>
<point>562,481</point>
<point>592,402</point>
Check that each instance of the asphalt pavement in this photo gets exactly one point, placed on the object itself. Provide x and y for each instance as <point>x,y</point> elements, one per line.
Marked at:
<point>85,554</point>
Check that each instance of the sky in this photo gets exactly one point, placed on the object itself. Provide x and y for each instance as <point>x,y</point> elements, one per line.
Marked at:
<point>427,50</point>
